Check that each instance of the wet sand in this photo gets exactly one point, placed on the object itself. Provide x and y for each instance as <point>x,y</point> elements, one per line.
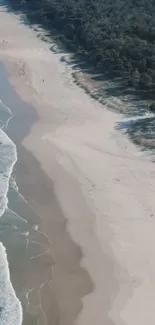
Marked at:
<point>92,189</point>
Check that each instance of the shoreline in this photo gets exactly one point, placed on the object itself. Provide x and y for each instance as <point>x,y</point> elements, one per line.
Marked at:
<point>44,202</point>
<point>97,184</point>
<point>28,162</point>
<point>67,278</point>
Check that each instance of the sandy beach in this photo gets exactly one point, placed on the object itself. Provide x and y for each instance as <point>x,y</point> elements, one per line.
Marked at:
<point>92,189</point>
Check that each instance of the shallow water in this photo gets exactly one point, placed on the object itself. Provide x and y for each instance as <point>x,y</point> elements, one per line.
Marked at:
<point>10,307</point>
<point>21,242</point>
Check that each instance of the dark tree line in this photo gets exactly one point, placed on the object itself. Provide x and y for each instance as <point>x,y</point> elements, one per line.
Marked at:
<point>116,34</point>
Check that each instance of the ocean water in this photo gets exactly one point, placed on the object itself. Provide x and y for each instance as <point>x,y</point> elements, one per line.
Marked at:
<point>10,306</point>
<point>20,240</point>
<point>24,248</point>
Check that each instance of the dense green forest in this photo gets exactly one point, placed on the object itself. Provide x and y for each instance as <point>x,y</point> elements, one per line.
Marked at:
<point>118,35</point>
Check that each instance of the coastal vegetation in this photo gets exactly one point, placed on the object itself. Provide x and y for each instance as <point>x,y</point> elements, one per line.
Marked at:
<point>117,36</point>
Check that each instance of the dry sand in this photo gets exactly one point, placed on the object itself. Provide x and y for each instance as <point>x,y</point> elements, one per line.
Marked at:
<point>103,184</point>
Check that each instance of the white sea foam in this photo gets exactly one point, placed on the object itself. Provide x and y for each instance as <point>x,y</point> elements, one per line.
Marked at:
<point>13,184</point>
<point>6,115</point>
<point>8,157</point>
<point>147,115</point>
<point>10,306</point>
